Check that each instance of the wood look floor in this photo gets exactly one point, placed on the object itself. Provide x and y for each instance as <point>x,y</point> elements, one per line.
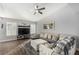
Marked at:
<point>5,47</point>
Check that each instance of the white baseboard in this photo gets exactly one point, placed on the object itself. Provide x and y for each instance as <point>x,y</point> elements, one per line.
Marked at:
<point>7,40</point>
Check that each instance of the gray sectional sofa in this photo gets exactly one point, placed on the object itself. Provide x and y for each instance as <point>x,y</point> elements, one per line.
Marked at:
<point>57,44</point>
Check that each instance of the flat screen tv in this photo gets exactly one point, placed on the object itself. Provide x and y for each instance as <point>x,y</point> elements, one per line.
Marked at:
<point>22,31</point>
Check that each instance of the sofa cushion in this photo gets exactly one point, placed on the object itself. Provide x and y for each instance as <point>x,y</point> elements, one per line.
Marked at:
<point>55,37</point>
<point>49,36</point>
<point>45,36</point>
<point>61,44</point>
<point>41,35</point>
<point>62,36</point>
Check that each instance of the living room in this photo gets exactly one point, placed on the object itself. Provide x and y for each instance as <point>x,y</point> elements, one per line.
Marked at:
<point>35,23</point>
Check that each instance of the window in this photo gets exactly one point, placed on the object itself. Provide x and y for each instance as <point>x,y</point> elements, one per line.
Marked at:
<point>11,29</point>
<point>32,28</point>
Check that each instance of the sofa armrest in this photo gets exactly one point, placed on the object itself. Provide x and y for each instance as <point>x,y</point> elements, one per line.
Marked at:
<point>35,36</point>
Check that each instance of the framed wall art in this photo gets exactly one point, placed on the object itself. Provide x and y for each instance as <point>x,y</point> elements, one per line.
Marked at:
<point>49,25</point>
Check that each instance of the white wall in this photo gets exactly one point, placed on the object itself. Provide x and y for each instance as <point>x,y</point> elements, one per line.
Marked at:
<point>2,30</point>
<point>65,21</point>
<point>3,36</point>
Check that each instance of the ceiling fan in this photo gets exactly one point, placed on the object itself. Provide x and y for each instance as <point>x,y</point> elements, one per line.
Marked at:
<point>38,10</point>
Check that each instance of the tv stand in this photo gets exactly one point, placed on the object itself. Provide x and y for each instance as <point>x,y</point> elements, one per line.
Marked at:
<point>25,36</point>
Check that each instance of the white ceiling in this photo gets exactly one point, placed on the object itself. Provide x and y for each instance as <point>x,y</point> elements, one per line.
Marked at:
<point>25,10</point>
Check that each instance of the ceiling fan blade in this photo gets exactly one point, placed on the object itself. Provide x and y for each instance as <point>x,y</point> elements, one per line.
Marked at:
<point>40,12</point>
<point>34,13</point>
<point>36,6</point>
<point>42,8</point>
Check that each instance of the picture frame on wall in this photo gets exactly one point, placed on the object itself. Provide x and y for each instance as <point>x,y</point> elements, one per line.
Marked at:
<point>49,25</point>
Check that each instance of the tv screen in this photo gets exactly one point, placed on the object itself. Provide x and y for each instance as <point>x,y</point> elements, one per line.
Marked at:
<point>22,31</point>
